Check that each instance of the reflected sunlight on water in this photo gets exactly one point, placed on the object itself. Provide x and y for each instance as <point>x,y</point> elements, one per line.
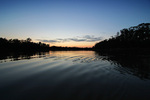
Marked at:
<point>74,75</point>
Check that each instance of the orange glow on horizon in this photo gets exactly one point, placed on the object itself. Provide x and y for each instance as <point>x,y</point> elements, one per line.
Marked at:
<point>74,44</point>
<point>71,44</point>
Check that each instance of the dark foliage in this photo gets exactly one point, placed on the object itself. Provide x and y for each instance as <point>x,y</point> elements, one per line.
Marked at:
<point>137,65</point>
<point>21,45</point>
<point>136,37</point>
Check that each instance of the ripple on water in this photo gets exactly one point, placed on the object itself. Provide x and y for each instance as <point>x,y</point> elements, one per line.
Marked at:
<point>70,76</point>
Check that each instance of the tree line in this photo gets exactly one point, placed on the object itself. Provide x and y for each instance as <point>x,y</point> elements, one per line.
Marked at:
<point>59,48</point>
<point>21,45</point>
<point>136,37</point>
<point>28,45</point>
<point>128,38</point>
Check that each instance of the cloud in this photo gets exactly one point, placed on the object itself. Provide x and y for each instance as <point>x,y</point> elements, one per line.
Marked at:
<point>86,38</point>
<point>77,40</point>
<point>48,41</point>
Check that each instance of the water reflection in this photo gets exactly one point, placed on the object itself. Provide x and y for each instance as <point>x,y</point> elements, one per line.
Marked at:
<point>74,56</point>
<point>75,75</point>
<point>14,56</point>
<point>137,65</point>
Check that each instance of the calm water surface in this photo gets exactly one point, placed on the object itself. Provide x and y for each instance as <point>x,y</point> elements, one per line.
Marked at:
<point>74,75</point>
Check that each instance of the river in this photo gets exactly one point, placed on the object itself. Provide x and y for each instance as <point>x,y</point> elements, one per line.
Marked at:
<point>74,75</point>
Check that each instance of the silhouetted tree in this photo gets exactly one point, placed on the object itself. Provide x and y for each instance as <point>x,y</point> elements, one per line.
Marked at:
<point>133,37</point>
<point>28,39</point>
<point>21,45</point>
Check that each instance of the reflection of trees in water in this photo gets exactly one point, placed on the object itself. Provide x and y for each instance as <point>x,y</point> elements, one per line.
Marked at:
<point>13,56</point>
<point>137,65</point>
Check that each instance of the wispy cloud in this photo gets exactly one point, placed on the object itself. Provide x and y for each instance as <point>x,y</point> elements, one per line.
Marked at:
<point>48,41</point>
<point>86,38</point>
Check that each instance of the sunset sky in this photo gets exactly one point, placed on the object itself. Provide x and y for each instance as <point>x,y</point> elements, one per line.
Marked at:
<point>79,23</point>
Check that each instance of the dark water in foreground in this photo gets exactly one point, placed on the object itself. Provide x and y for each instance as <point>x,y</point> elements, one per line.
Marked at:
<point>74,75</point>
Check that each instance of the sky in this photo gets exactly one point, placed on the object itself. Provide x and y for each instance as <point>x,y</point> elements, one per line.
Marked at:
<point>80,23</point>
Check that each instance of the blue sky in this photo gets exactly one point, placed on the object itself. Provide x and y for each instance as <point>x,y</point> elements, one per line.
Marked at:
<point>70,22</point>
